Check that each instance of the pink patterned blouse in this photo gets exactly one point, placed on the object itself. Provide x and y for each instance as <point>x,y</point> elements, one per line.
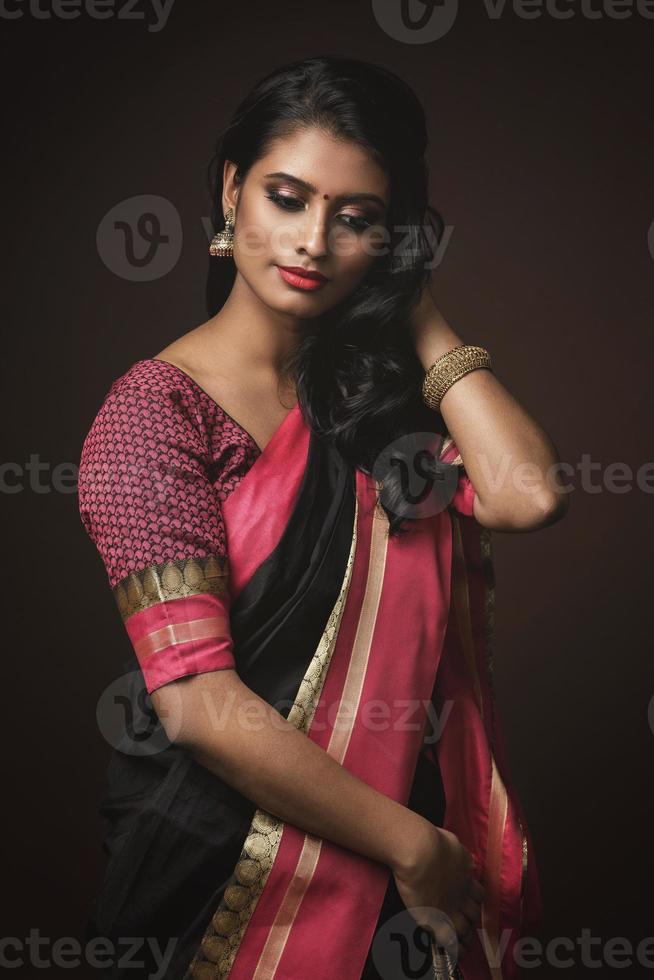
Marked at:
<point>158,461</point>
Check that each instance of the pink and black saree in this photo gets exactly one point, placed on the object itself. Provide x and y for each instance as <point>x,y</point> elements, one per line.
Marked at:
<point>327,618</point>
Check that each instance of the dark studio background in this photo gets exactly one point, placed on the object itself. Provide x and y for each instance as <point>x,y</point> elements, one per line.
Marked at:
<point>541,163</point>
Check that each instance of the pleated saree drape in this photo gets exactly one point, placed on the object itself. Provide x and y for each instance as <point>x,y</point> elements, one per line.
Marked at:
<point>331,619</point>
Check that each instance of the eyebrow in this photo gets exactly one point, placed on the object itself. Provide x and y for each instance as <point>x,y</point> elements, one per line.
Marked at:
<point>312,189</point>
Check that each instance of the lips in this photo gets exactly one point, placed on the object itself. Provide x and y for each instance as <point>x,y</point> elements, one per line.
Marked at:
<point>302,278</point>
<point>304,273</point>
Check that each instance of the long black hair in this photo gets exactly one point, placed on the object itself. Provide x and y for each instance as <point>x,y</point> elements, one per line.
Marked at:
<point>356,372</point>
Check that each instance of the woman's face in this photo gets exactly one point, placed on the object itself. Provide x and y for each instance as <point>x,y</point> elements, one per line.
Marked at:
<point>313,203</point>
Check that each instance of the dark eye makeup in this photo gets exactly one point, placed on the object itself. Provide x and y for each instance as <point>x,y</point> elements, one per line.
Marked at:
<point>289,203</point>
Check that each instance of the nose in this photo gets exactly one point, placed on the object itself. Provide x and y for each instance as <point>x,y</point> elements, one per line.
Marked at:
<point>314,235</point>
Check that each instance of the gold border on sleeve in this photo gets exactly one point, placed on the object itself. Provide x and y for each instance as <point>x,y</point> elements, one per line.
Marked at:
<point>175,579</point>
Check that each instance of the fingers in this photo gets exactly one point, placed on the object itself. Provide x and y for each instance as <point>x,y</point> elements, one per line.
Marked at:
<point>476,890</point>
<point>471,910</point>
<point>466,920</point>
<point>471,904</point>
<point>456,936</point>
<point>465,930</point>
<point>442,929</point>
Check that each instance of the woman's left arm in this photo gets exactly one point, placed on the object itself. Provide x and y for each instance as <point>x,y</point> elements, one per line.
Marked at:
<point>509,458</point>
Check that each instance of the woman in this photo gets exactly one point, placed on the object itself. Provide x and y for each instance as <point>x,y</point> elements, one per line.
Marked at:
<point>311,782</point>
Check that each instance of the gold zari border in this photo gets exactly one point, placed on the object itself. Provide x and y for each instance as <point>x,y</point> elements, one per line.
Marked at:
<point>222,939</point>
<point>176,579</point>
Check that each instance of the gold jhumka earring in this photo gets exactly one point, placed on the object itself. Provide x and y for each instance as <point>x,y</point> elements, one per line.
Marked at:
<point>222,243</point>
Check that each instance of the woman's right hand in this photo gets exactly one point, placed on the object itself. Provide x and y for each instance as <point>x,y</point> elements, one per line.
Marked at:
<point>438,882</point>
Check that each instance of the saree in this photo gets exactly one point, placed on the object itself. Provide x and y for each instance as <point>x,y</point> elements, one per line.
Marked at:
<point>330,618</point>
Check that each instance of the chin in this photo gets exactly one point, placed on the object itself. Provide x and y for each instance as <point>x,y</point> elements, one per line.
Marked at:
<point>297,301</point>
<point>302,306</point>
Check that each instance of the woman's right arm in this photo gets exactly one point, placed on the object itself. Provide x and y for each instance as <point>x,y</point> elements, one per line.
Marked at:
<point>241,738</point>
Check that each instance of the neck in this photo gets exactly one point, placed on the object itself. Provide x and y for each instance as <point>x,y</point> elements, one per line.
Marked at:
<point>253,333</point>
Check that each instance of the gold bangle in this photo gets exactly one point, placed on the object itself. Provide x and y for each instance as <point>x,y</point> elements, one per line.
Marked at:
<point>450,367</point>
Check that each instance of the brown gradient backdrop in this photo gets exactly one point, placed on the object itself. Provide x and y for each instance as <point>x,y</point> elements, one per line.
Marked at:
<point>541,160</point>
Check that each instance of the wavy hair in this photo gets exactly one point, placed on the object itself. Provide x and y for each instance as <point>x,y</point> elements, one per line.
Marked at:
<point>356,372</point>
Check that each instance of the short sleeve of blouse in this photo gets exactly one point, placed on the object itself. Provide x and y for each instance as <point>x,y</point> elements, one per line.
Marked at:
<point>464,495</point>
<point>148,504</point>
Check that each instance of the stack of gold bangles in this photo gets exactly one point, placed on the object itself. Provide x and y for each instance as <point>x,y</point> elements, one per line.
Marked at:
<point>450,367</point>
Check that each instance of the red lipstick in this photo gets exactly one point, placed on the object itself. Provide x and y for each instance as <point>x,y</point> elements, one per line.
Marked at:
<point>302,278</point>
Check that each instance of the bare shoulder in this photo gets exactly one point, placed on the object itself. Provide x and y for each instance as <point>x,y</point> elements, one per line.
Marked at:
<point>196,354</point>
<point>180,353</point>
